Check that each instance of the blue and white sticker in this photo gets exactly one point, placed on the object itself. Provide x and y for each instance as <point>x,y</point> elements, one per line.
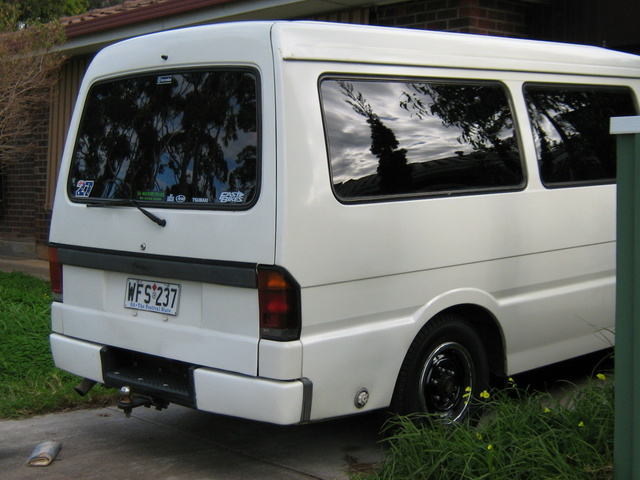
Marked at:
<point>83,188</point>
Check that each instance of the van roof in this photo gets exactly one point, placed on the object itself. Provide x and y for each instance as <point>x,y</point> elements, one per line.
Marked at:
<point>397,46</point>
<point>364,44</point>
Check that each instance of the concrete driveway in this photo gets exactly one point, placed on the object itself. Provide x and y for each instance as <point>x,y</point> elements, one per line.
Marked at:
<point>181,444</point>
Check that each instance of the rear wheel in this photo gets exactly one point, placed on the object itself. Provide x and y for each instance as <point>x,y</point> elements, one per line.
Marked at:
<point>444,369</point>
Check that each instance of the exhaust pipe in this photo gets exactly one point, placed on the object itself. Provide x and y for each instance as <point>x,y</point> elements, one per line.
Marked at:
<point>84,386</point>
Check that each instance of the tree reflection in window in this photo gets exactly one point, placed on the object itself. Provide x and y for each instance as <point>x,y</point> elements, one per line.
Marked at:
<point>176,137</point>
<point>391,138</point>
<point>571,131</point>
<point>393,172</point>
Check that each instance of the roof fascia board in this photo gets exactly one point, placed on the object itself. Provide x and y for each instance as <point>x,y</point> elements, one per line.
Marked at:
<point>220,11</point>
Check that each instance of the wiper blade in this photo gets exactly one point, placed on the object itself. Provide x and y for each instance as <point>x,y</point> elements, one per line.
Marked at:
<point>131,203</point>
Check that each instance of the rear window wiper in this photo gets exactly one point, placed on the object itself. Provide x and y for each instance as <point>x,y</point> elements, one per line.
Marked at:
<point>126,202</point>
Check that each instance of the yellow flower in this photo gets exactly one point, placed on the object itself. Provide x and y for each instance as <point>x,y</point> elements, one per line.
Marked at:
<point>485,394</point>
<point>478,436</point>
<point>468,390</point>
<point>581,424</point>
<point>511,380</point>
<point>547,410</point>
<point>489,447</point>
<point>601,376</point>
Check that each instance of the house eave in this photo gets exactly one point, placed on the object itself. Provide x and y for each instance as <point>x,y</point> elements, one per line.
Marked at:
<point>88,36</point>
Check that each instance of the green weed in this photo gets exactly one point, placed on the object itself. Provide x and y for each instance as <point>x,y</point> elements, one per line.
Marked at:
<point>521,436</point>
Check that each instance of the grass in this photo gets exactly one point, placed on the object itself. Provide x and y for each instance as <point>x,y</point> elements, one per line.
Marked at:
<point>521,436</point>
<point>29,382</point>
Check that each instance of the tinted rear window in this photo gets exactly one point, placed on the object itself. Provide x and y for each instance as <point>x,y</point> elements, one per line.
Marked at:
<point>170,139</point>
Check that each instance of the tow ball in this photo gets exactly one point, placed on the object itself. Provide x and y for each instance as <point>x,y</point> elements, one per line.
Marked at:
<point>127,402</point>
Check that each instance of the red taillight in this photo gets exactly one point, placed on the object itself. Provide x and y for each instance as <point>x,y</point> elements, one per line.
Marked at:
<point>55,272</point>
<point>279,300</point>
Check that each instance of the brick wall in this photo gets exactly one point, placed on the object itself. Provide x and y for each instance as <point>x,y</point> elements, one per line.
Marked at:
<point>593,22</point>
<point>487,17</point>
<point>22,216</point>
<point>16,219</point>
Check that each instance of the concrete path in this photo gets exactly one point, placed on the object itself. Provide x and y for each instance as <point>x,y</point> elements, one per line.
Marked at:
<point>32,266</point>
<point>183,444</point>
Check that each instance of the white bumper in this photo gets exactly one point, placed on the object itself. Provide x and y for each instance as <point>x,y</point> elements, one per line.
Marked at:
<point>280,402</point>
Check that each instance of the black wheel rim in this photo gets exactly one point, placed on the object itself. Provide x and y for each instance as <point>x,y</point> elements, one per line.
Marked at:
<point>446,383</point>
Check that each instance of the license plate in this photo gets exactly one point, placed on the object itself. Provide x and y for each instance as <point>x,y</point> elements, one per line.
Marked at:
<point>152,296</point>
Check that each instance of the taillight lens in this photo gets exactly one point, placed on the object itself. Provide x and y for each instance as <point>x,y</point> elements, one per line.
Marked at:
<point>279,299</point>
<point>55,272</point>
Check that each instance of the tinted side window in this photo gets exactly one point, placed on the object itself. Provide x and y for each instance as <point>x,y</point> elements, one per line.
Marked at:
<point>571,131</point>
<point>171,139</point>
<point>393,139</point>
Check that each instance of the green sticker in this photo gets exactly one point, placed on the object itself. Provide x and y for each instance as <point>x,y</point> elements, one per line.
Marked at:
<point>150,196</point>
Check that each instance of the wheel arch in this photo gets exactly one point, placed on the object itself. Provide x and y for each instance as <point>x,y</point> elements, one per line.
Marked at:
<point>488,329</point>
<point>480,309</point>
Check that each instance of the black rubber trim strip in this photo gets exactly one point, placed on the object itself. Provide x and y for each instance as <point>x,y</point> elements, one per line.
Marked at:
<point>230,274</point>
<point>307,396</point>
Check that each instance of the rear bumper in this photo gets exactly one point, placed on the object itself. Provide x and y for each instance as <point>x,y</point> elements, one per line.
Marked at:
<point>280,402</point>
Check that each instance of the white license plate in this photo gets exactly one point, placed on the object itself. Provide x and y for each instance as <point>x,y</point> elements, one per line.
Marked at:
<point>152,296</point>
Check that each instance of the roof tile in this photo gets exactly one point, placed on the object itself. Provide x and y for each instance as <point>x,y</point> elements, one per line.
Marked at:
<point>98,13</point>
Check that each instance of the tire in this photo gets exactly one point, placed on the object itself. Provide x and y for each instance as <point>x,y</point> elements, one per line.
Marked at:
<point>445,367</point>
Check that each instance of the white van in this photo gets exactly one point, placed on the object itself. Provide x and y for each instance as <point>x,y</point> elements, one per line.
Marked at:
<point>291,221</point>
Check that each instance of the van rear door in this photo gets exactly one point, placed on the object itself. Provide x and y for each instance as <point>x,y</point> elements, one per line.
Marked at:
<point>163,209</point>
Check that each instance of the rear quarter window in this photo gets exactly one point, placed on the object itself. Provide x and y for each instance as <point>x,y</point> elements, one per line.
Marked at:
<point>170,139</point>
<point>571,131</point>
<point>389,139</point>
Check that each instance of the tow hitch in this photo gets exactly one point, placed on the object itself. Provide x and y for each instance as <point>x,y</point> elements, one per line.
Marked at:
<point>127,402</point>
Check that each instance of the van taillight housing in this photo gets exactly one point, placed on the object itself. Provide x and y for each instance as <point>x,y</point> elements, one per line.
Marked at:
<point>55,273</point>
<point>279,301</point>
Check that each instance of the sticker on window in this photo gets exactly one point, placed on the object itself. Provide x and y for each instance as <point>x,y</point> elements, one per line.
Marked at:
<point>83,188</point>
<point>164,80</point>
<point>150,196</point>
<point>231,197</point>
